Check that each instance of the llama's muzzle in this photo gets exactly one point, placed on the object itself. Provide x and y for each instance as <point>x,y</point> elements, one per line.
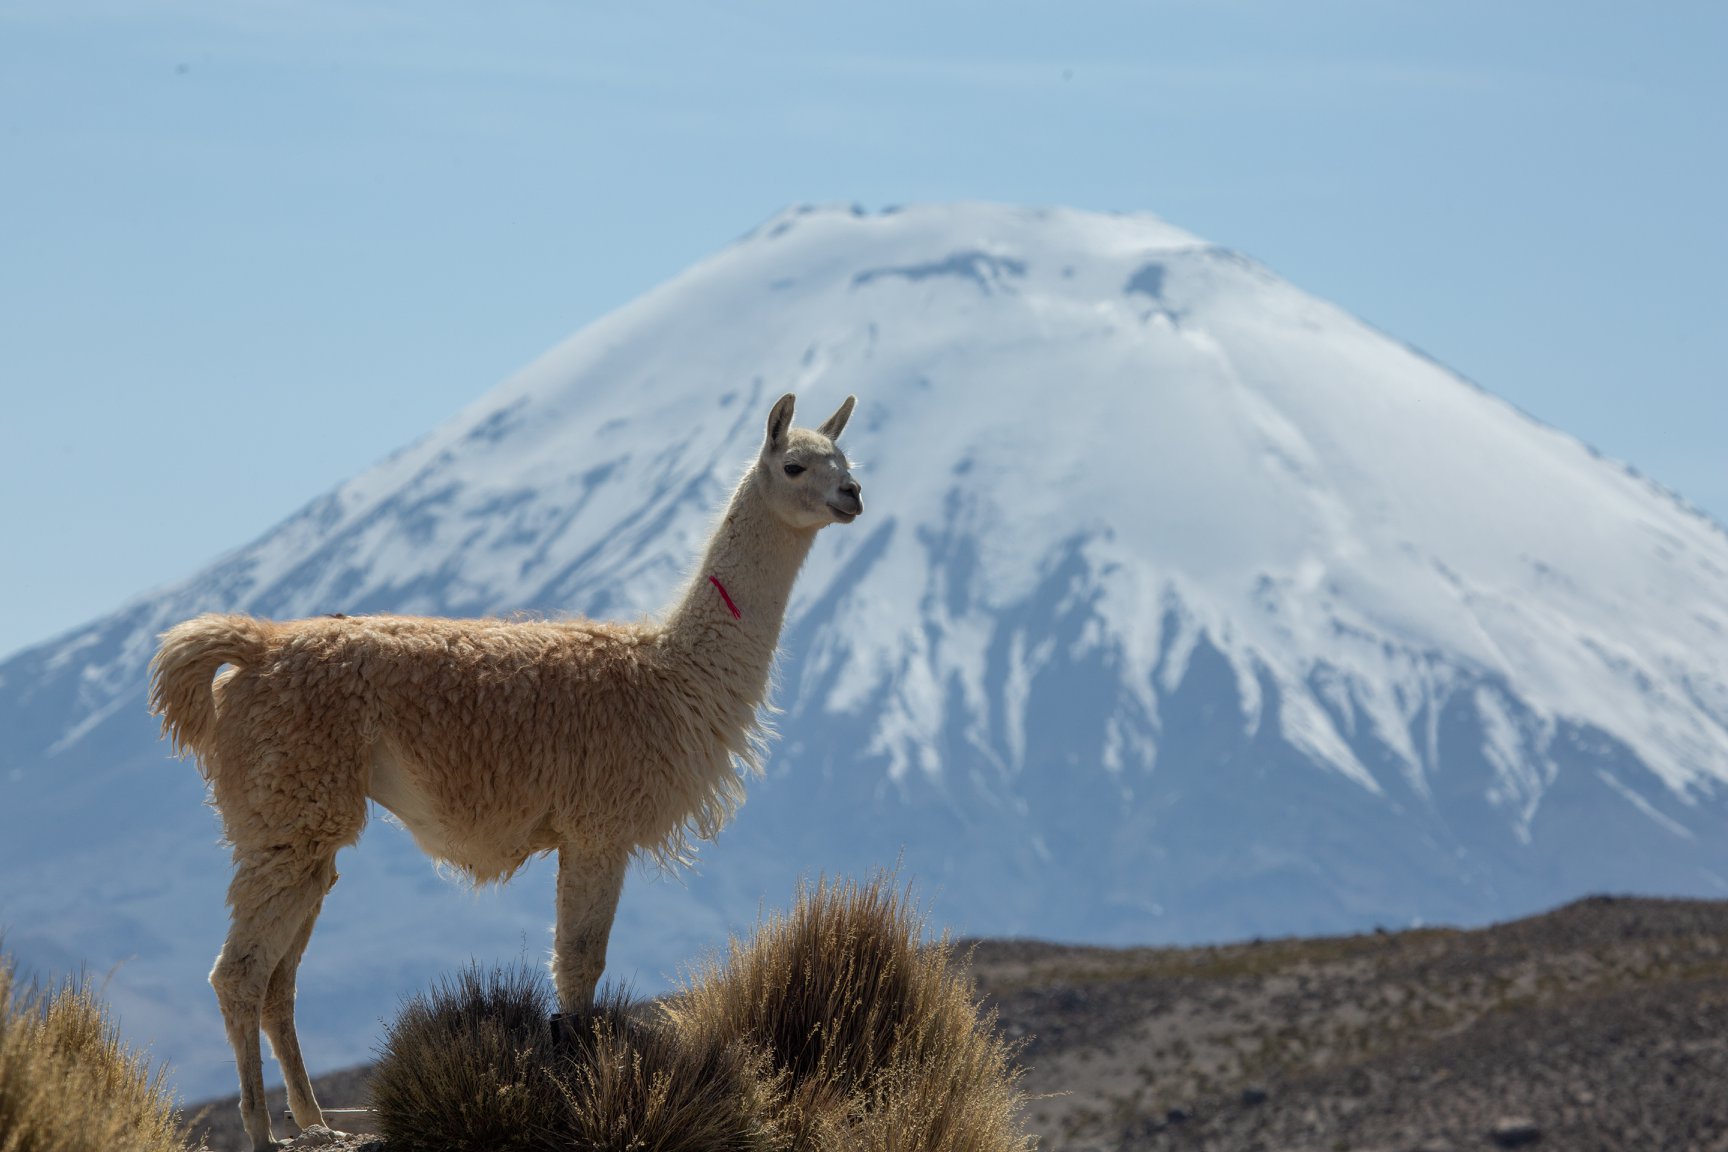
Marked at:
<point>851,504</point>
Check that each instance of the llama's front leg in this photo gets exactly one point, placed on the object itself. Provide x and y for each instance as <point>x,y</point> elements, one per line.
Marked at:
<point>588,888</point>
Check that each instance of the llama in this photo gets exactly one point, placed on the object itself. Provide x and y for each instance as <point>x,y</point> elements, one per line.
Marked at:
<point>492,741</point>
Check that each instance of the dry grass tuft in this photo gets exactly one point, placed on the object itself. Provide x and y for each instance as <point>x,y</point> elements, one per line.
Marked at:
<point>833,1029</point>
<point>877,1039</point>
<point>477,1065</point>
<point>826,990</point>
<point>467,1068</point>
<point>67,1084</point>
<point>632,1084</point>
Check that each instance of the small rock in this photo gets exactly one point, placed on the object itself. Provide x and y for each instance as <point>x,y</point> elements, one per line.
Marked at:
<point>1177,1115</point>
<point>1071,1000</point>
<point>1254,1094</point>
<point>1514,1132</point>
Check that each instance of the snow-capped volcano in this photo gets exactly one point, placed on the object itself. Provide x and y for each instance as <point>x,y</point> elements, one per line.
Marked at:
<point>1185,606</point>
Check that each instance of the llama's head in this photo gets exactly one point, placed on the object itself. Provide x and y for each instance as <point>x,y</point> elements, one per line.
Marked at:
<point>803,474</point>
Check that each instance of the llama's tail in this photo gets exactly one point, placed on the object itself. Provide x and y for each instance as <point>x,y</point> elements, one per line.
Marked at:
<point>186,663</point>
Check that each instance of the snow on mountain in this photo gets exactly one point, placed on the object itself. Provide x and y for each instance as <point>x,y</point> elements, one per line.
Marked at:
<point>1184,606</point>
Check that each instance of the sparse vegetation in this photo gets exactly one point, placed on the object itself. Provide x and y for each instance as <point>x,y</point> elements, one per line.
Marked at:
<point>832,1029</point>
<point>1601,1022</point>
<point>67,1084</point>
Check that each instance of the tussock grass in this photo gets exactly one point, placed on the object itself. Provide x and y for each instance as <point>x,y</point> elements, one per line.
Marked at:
<point>67,1084</point>
<point>637,1084</point>
<point>829,990</point>
<point>876,1037</point>
<point>467,1068</point>
<point>834,1028</point>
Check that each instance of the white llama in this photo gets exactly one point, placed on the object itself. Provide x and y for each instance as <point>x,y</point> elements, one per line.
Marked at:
<point>492,741</point>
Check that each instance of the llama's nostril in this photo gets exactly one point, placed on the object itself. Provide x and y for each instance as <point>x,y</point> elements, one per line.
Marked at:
<point>852,489</point>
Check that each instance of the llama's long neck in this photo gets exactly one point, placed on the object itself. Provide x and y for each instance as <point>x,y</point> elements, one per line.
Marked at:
<point>754,557</point>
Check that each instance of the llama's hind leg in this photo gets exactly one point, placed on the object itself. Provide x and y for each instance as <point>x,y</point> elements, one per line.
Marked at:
<point>588,888</point>
<point>273,898</point>
<point>278,1017</point>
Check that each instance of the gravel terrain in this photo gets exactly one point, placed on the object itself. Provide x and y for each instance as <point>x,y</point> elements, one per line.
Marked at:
<point>1601,1025</point>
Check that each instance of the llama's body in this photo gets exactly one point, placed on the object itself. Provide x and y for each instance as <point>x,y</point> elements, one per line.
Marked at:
<point>491,740</point>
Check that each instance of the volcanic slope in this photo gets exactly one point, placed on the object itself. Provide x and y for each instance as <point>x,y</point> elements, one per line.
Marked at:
<point>1599,1026</point>
<point>1185,607</point>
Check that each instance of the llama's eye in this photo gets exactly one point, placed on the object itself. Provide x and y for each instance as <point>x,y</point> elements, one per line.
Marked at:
<point>794,469</point>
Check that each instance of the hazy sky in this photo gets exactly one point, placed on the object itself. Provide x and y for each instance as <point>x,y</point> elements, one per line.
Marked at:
<point>247,249</point>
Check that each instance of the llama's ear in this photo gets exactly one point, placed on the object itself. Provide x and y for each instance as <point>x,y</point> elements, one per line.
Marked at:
<point>780,423</point>
<point>832,426</point>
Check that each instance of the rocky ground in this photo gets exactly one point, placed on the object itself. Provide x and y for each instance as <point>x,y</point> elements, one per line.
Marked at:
<point>218,1121</point>
<point>1602,1025</point>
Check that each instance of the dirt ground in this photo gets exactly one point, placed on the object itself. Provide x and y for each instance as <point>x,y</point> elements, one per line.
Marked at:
<point>1600,1026</point>
<point>1603,1025</point>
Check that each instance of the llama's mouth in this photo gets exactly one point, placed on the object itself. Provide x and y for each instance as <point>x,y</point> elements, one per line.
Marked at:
<point>842,515</point>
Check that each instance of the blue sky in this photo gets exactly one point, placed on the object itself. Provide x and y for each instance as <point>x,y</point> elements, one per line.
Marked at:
<point>247,249</point>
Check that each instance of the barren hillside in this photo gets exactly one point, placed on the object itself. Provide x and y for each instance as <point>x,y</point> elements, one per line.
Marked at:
<point>1602,1025</point>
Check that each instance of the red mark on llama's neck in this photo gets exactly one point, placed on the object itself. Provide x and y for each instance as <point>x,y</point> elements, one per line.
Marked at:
<point>731,607</point>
